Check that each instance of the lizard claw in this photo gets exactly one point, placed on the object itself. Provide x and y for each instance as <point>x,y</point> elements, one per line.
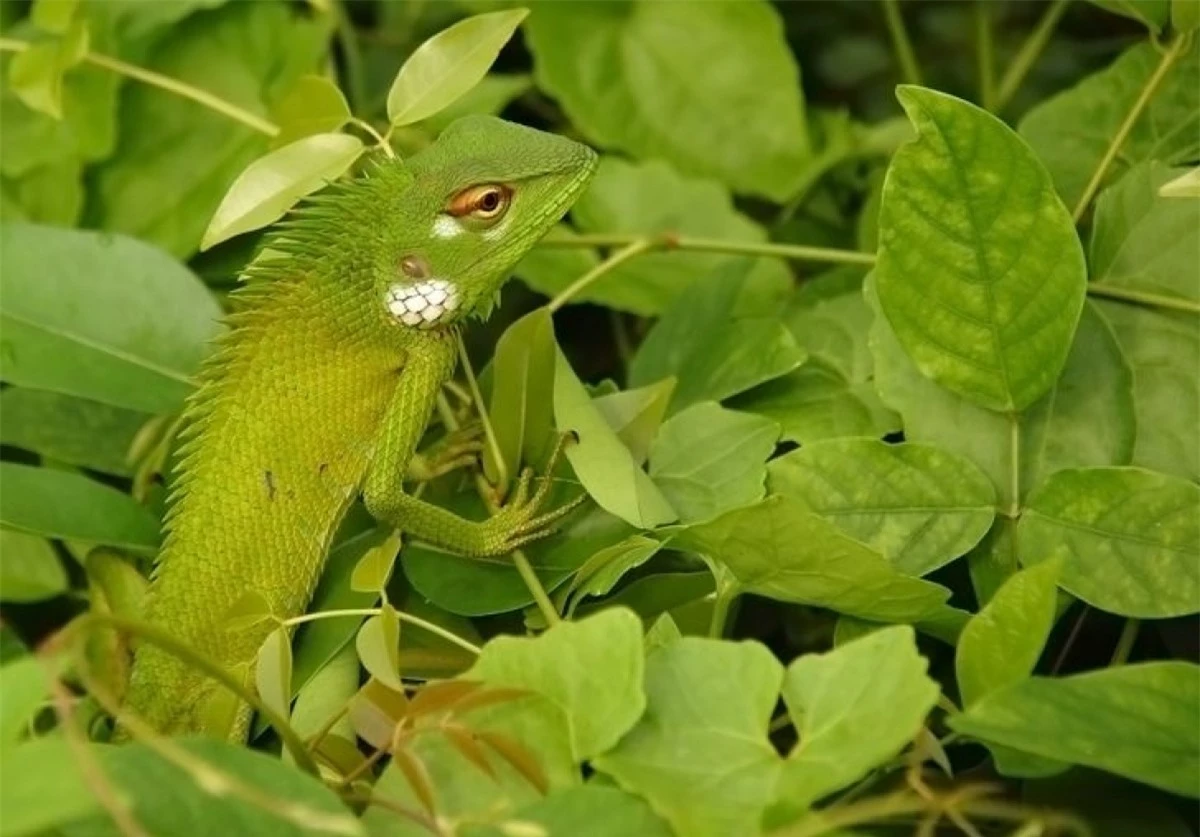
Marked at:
<point>459,449</point>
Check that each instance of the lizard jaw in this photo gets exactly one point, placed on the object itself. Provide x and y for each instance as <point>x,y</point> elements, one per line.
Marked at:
<point>422,305</point>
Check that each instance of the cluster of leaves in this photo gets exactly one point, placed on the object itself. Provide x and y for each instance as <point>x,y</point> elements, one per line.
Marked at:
<point>887,495</point>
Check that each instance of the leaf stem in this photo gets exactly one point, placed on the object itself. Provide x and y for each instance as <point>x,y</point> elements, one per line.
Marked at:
<point>985,54</point>
<point>1028,55</point>
<point>1152,84</point>
<point>608,265</point>
<point>417,621</point>
<point>1141,298</point>
<point>167,83</point>
<point>380,141</point>
<point>348,40</point>
<point>909,68</point>
<point>177,648</point>
<point>540,596</point>
<point>488,431</point>
<point>1129,634</point>
<point>1014,463</point>
<point>670,242</point>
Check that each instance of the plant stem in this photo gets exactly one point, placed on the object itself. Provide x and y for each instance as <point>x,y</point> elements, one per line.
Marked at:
<point>1014,464</point>
<point>540,596</point>
<point>900,42</point>
<point>725,596</point>
<point>985,54</point>
<point>348,40</point>
<point>670,241</point>
<point>184,652</point>
<point>380,141</point>
<point>1152,84</point>
<point>1028,55</point>
<point>417,621</point>
<point>1142,298</point>
<point>611,263</point>
<point>489,432</point>
<point>167,83</point>
<point>1129,633</point>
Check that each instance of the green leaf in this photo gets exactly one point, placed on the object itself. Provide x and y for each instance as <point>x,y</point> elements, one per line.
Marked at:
<point>920,506</point>
<point>53,15</point>
<point>522,402</point>
<point>31,570</point>
<point>1129,539</point>
<point>272,184</point>
<point>1003,642</point>
<point>72,431</point>
<point>1164,350</point>
<point>602,463</point>
<point>324,696</point>
<point>178,803</point>
<point>854,708</point>
<point>1072,131</point>
<point>1185,16</point>
<point>1187,185</point>
<point>101,317</point>
<point>492,94</point>
<point>273,671</point>
<point>707,459</point>
<point>1086,419</point>
<point>36,74</point>
<point>315,105</point>
<point>651,198</point>
<point>43,787</point>
<point>636,414</point>
<point>373,570</point>
<point>59,504</point>
<point>816,402</point>
<point>1112,806</point>
<point>779,549</point>
<point>830,319</point>
<point>378,644</point>
<point>1138,721</point>
<point>24,688</point>
<point>980,272</point>
<point>711,355</point>
<point>1143,241</point>
<point>590,669</point>
<point>168,176</point>
<point>700,754</point>
<point>626,75</point>
<point>600,573</point>
<point>1152,14</point>
<point>449,64</point>
<point>585,811</point>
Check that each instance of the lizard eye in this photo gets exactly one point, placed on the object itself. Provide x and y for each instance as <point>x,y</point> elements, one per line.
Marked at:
<point>487,202</point>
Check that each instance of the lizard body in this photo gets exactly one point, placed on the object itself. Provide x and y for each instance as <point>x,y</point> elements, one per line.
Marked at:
<point>323,386</point>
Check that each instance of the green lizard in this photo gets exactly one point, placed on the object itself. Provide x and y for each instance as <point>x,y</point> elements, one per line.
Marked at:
<point>323,386</point>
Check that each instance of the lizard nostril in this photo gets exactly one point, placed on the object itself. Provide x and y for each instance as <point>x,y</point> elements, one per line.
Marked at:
<point>414,267</point>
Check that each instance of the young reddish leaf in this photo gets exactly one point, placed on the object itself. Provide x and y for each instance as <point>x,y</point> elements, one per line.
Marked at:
<point>490,697</point>
<point>272,184</point>
<point>417,774</point>
<point>449,64</point>
<point>468,745</point>
<point>440,695</point>
<point>513,752</point>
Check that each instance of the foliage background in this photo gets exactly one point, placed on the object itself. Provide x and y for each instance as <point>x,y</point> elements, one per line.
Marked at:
<point>733,125</point>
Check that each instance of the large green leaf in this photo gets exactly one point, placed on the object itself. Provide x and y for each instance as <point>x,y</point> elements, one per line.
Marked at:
<point>586,811</point>
<point>249,54</point>
<point>700,754</point>
<point>1144,241</point>
<point>31,570</point>
<point>590,669</point>
<point>651,198</point>
<point>73,431</point>
<point>60,504</point>
<point>1129,539</point>
<point>449,64</point>
<point>1137,721</point>
<point>1151,13</point>
<point>920,506</point>
<point>1086,419</point>
<point>854,708</point>
<point>24,688</point>
<point>522,402</point>
<point>707,459</point>
<point>271,185</point>
<point>314,105</point>
<point>603,464</point>
<point>1164,350</point>
<point>627,74</point>
<point>778,548</point>
<point>816,402</point>
<point>101,317</point>
<point>980,273</point>
<point>1072,131</point>
<point>711,354</point>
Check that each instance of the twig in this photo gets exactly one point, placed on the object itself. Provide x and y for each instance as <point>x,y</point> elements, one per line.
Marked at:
<point>1028,55</point>
<point>900,42</point>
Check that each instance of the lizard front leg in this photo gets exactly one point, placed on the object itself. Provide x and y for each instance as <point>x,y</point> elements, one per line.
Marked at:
<point>429,364</point>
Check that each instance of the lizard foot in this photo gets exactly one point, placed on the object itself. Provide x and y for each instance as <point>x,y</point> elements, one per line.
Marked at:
<point>518,522</point>
<point>459,449</point>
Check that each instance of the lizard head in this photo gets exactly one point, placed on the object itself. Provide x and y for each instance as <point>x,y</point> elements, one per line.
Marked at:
<point>476,201</point>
